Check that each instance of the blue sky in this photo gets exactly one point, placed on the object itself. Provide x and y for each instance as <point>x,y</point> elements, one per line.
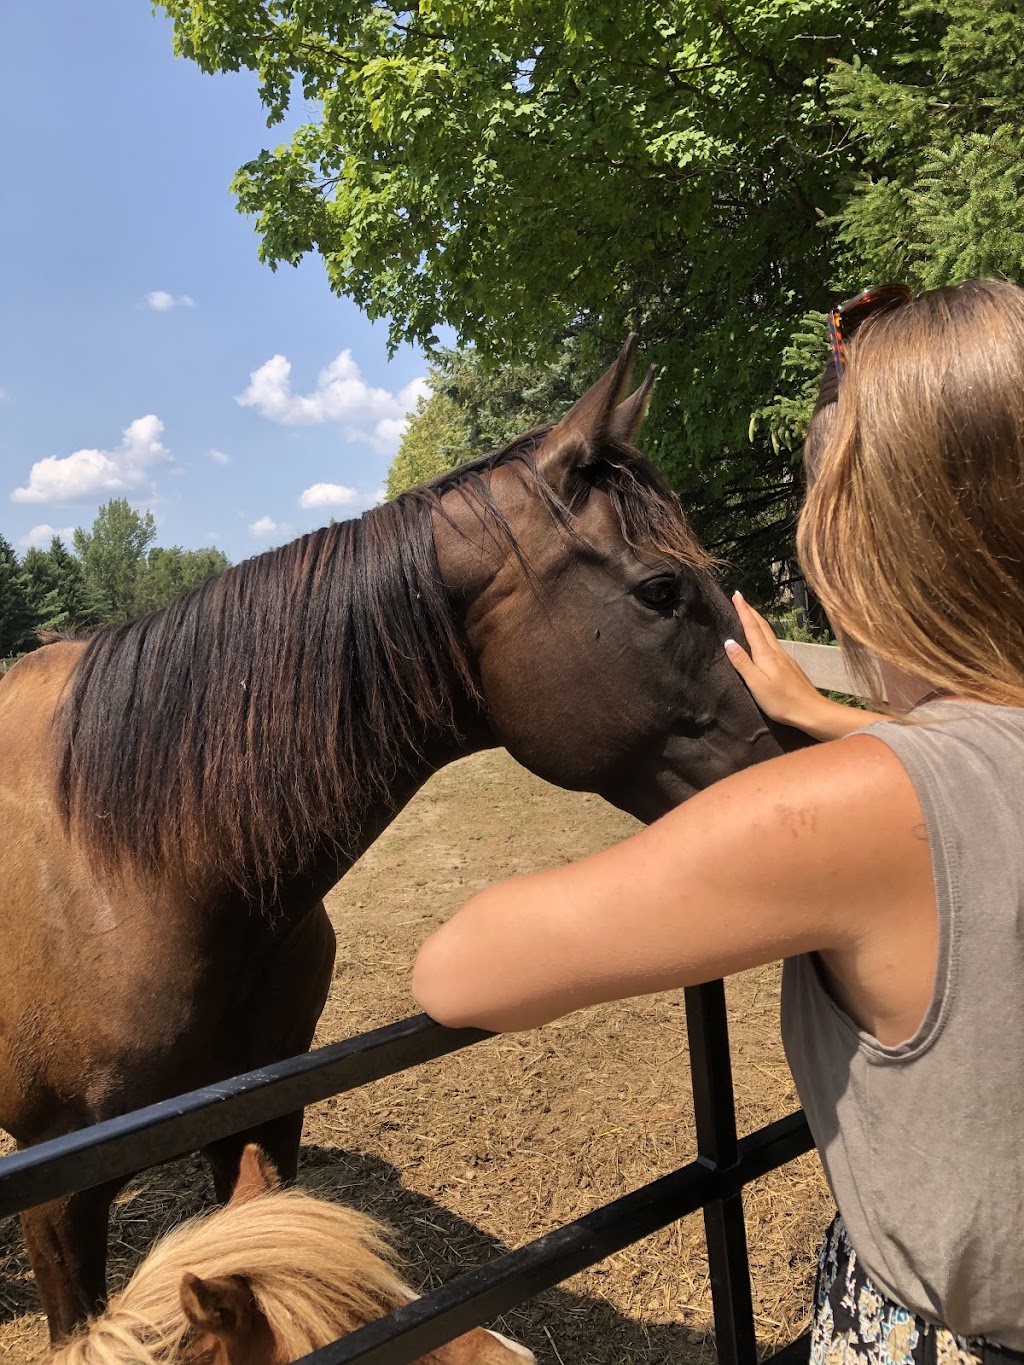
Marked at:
<point>144,351</point>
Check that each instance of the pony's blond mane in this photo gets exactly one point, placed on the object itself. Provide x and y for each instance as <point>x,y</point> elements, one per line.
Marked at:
<point>317,1269</point>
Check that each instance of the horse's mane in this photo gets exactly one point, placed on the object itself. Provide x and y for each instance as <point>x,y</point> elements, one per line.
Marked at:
<point>317,1270</point>
<point>247,726</point>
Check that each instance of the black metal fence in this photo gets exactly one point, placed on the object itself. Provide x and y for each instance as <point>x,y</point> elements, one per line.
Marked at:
<point>714,1181</point>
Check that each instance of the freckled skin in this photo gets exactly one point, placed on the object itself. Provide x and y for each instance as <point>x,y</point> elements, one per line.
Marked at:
<point>817,851</point>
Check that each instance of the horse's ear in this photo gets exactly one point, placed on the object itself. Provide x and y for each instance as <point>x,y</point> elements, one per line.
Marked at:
<point>628,417</point>
<point>576,440</point>
<point>257,1175</point>
<point>223,1313</point>
<point>224,1307</point>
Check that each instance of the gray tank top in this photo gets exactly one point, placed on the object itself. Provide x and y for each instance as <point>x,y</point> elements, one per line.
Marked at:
<point>923,1144</point>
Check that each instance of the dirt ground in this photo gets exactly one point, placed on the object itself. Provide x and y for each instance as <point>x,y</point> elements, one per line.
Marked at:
<point>492,1147</point>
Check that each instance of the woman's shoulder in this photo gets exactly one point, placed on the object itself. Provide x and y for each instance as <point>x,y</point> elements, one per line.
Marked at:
<point>841,819</point>
<point>958,744</point>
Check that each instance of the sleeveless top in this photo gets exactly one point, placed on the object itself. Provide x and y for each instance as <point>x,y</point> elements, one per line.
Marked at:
<point>923,1143</point>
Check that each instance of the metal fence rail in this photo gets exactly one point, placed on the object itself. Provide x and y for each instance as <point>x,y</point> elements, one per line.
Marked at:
<point>160,1132</point>
<point>714,1181</point>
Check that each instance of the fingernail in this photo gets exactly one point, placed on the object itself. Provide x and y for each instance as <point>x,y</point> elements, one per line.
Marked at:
<point>730,645</point>
<point>738,595</point>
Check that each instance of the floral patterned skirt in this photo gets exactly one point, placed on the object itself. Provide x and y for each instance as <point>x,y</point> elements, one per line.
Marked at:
<point>856,1324</point>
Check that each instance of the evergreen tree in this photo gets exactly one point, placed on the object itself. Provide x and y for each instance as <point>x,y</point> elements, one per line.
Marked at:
<point>80,606</point>
<point>936,190</point>
<point>476,405</point>
<point>38,572</point>
<point>40,579</point>
<point>940,191</point>
<point>435,440</point>
<point>16,615</point>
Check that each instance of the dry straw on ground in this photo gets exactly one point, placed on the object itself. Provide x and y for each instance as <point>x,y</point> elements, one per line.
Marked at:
<point>494,1146</point>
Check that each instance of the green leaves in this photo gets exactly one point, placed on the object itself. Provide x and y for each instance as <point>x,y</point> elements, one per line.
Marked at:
<point>711,173</point>
<point>112,553</point>
<point>938,125</point>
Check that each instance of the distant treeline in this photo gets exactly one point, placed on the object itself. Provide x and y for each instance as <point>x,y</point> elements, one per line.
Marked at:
<point>111,572</point>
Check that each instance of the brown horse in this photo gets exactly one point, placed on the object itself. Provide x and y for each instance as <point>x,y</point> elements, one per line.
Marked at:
<point>264,1280</point>
<point>180,792</point>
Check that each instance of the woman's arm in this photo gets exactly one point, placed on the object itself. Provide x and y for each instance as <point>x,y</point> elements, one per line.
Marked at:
<point>814,850</point>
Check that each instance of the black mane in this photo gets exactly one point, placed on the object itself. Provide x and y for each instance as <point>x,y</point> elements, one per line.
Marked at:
<point>236,730</point>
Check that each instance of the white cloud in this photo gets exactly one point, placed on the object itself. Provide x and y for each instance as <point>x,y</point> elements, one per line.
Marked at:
<point>86,474</point>
<point>266,526</point>
<point>219,457</point>
<point>373,415</point>
<point>162,302</point>
<point>42,535</point>
<point>328,495</point>
<point>379,495</point>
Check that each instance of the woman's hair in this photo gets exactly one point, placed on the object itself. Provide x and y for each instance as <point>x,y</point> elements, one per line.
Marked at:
<point>912,532</point>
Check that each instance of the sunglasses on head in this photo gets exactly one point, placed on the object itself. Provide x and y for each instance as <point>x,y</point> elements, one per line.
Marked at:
<point>845,318</point>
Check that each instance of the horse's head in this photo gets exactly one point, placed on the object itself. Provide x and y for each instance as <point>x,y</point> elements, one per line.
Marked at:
<point>329,1274</point>
<point>594,621</point>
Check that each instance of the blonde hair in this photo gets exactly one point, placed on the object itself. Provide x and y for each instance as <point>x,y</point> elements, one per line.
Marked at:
<point>317,1270</point>
<point>912,532</point>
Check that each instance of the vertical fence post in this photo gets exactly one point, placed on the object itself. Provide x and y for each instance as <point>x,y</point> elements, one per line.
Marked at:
<point>715,1116</point>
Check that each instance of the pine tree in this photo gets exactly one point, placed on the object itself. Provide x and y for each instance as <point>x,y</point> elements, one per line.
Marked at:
<point>940,193</point>
<point>435,440</point>
<point>39,576</point>
<point>16,616</point>
<point>79,606</point>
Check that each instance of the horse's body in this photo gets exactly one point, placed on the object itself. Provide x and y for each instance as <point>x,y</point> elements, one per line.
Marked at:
<point>263,1281</point>
<point>179,793</point>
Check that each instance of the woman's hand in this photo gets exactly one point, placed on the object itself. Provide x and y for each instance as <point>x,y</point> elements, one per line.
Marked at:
<point>781,688</point>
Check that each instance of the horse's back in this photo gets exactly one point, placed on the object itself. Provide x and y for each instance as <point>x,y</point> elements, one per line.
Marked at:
<point>29,695</point>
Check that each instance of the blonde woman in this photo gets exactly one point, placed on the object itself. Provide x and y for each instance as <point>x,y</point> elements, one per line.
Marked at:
<point>887,869</point>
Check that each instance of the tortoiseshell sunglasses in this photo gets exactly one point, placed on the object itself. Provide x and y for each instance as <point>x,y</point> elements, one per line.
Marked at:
<point>845,318</point>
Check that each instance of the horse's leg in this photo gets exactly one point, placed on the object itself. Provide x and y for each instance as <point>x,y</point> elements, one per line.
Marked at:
<point>67,1249</point>
<point>286,1004</point>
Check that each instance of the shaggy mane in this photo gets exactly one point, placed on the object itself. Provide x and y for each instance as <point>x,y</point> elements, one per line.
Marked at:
<point>247,727</point>
<point>317,1270</point>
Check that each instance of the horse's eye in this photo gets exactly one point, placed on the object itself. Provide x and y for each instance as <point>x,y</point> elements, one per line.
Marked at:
<point>660,594</point>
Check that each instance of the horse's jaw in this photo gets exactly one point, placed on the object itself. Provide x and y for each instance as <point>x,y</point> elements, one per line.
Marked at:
<point>691,764</point>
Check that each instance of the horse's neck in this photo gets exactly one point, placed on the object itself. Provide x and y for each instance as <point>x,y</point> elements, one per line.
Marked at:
<point>436,753</point>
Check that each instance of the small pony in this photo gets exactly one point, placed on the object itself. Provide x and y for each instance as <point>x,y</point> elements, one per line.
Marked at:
<point>269,1277</point>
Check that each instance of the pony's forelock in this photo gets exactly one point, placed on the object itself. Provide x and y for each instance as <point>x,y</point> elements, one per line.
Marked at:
<point>317,1270</point>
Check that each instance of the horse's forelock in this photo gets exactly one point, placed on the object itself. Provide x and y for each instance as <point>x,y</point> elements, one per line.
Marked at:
<point>649,513</point>
<point>317,1270</point>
